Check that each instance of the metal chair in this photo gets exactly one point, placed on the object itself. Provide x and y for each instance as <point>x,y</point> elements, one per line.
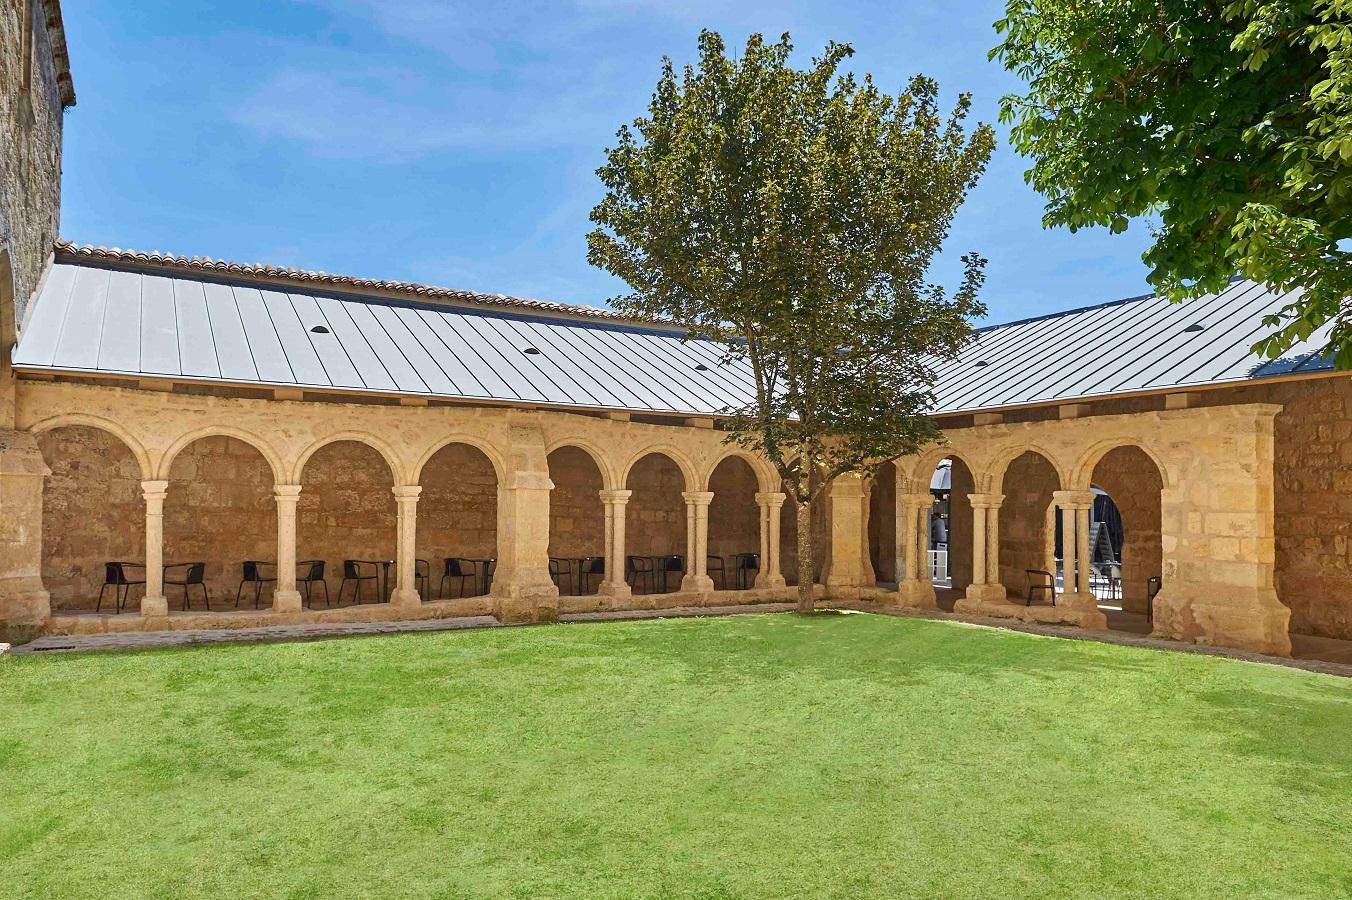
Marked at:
<point>592,565</point>
<point>1040,580</point>
<point>714,564</point>
<point>635,568</point>
<point>457,568</point>
<point>559,569</point>
<point>671,563</point>
<point>193,574</point>
<point>115,576</point>
<point>313,574</point>
<point>422,576</point>
<point>253,574</point>
<point>743,563</point>
<point>354,572</point>
<point>1153,585</point>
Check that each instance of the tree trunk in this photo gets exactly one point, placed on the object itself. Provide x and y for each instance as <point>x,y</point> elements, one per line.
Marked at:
<point>805,578</point>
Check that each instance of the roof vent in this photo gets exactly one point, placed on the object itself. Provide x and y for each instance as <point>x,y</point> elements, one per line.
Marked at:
<point>532,351</point>
<point>982,363</point>
<point>1191,329</point>
<point>319,329</point>
<point>701,367</point>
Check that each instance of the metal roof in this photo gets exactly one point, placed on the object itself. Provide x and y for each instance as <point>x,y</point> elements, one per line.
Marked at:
<point>191,325</point>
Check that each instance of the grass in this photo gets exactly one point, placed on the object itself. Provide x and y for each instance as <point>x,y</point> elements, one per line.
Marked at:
<point>764,756</point>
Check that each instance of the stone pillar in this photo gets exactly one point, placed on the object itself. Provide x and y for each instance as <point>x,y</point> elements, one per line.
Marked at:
<point>847,538</point>
<point>522,589</point>
<point>1083,553</point>
<point>697,580</point>
<point>985,595</point>
<point>914,588</point>
<point>1217,524</point>
<point>406,552</point>
<point>285,597</point>
<point>24,602</point>
<point>1075,593</point>
<point>154,604</point>
<point>867,576</point>
<point>771,505</point>
<point>614,584</point>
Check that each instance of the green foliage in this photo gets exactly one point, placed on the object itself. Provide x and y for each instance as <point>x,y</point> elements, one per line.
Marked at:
<point>794,214</point>
<point>1230,121</point>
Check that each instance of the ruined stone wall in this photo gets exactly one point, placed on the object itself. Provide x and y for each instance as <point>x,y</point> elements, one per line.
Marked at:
<point>655,516</point>
<point>734,517</point>
<point>1028,485</point>
<point>219,510</point>
<point>346,511</point>
<point>457,511</point>
<point>1132,480</point>
<point>92,513</point>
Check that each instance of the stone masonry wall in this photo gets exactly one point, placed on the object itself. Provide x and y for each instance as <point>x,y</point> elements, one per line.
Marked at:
<point>960,526</point>
<point>655,517</point>
<point>457,511</point>
<point>1028,485</point>
<point>1132,480</point>
<point>882,523</point>
<point>92,512</point>
<point>346,511</point>
<point>734,517</point>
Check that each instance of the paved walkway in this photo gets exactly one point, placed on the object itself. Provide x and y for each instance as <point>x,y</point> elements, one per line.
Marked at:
<point>1325,655</point>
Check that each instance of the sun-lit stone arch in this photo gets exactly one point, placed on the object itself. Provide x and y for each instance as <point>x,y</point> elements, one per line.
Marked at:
<point>767,479</point>
<point>487,448</point>
<point>67,420</point>
<point>270,455</point>
<point>916,472</point>
<point>995,471</point>
<point>598,456</point>
<point>396,466</point>
<point>1081,476</point>
<point>688,470</point>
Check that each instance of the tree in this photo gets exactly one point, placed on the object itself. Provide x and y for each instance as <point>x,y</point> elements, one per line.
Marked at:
<point>794,215</point>
<point>1231,121</point>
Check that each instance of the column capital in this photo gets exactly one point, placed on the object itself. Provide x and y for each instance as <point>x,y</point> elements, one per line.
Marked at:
<point>770,498</point>
<point>699,498</point>
<point>406,491</point>
<point>285,491</point>
<point>1073,499</point>
<point>986,501</point>
<point>154,489</point>
<point>919,500</point>
<point>617,497</point>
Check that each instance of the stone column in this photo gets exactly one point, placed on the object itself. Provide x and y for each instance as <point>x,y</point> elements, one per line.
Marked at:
<point>406,553</point>
<point>985,595</point>
<point>522,590</point>
<point>867,576</point>
<point>24,602</point>
<point>1083,552</point>
<point>1075,594</point>
<point>846,572</point>
<point>614,584</point>
<point>771,505</point>
<point>285,597</point>
<point>154,604</point>
<point>914,588</point>
<point>697,579</point>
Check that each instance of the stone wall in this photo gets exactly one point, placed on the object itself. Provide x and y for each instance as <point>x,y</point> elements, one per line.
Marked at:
<point>346,511</point>
<point>882,523</point>
<point>960,526</point>
<point>577,517</point>
<point>1133,482</point>
<point>92,513</point>
<point>734,517</point>
<point>1028,485</point>
<point>457,511</point>
<point>655,515</point>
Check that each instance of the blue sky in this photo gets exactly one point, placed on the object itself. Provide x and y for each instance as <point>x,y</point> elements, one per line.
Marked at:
<point>456,143</point>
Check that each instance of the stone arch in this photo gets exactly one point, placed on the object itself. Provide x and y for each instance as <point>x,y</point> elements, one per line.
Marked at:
<point>1000,461</point>
<point>655,515</point>
<point>598,456</point>
<point>385,450</point>
<point>688,470</point>
<point>271,456</point>
<point>577,515</point>
<point>138,450</point>
<point>767,479</point>
<point>921,469</point>
<point>457,513</point>
<point>485,447</point>
<point>1082,474</point>
<point>1133,483</point>
<point>734,516</point>
<point>1029,482</point>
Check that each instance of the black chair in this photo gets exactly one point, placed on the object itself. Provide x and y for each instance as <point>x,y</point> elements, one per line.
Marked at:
<point>354,572</point>
<point>115,576</point>
<point>1153,584</point>
<point>672,563</point>
<point>743,563</point>
<point>313,574</point>
<point>1040,581</point>
<point>253,574</point>
<point>193,574</point>
<point>422,576</point>
<point>714,564</point>
<point>592,565</point>
<point>490,568</point>
<point>636,568</point>
<point>457,568</point>
<point>560,569</point>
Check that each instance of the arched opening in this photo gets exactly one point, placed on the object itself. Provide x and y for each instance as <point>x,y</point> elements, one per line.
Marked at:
<point>220,512</point>
<point>882,525</point>
<point>577,522</point>
<point>1126,554</point>
<point>734,526</point>
<point>92,514</point>
<point>950,562</point>
<point>346,513</point>
<point>457,534</point>
<point>655,525</point>
<point>1026,534</point>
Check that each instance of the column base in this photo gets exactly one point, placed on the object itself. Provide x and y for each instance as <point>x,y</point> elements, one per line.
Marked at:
<point>842,588</point>
<point>1076,600</point>
<point>286,602</point>
<point>154,607</point>
<point>406,599</point>
<point>983,600</point>
<point>1250,619</point>
<point>697,584</point>
<point>768,581</point>
<point>915,594</point>
<point>526,610</point>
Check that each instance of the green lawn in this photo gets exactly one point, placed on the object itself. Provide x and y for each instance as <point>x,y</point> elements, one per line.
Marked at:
<point>763,756</point>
